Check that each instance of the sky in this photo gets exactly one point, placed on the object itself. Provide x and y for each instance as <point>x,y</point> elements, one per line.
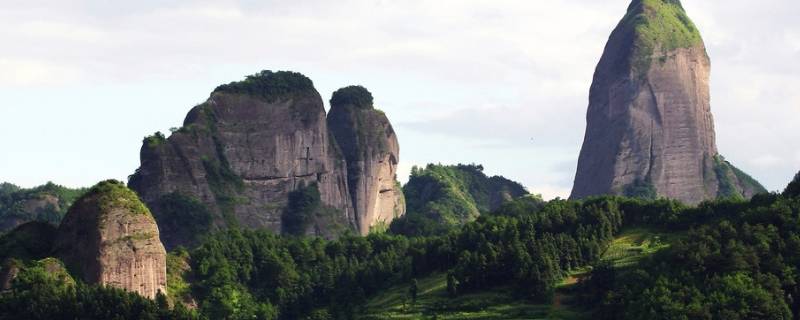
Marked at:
<point>496,82</point>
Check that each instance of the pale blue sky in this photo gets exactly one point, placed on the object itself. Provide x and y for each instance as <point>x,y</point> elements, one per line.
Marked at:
<point>502,83</point>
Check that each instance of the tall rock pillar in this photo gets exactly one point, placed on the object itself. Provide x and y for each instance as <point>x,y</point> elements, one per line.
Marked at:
<point>650,132</point>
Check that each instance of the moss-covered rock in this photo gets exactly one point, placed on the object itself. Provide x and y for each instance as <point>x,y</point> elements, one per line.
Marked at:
<point>661,24</point>
<point>109,237</point>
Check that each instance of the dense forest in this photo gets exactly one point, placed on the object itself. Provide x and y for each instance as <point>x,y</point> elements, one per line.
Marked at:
<point>441,197</point>
<point>733,259</point>
<point>46,203</point>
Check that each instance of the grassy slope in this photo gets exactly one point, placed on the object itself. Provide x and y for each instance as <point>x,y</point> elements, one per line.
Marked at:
<point>432,300</point>
<point>627,249</point>
<point>631,245</point>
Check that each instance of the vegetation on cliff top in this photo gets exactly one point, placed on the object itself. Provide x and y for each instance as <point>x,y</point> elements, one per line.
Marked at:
<point>110,194</point>
<point>661,24</point>
<point>651,25</point>
<point>356,96</point>
<point>268,85</point>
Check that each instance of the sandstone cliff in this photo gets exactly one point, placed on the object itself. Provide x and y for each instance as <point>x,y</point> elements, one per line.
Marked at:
<point>649,130</point>
<point>370,147</point>
<point>109,237</point>
<point>243,151</point>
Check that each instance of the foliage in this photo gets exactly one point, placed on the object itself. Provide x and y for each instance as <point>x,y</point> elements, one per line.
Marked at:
<point>181,218</point>
<point>450,196</point>
<point>296,276</point>
<point>29,241</point>
<point>723,259</point>
<point>19,204</point>
<point>793,189</point>
<point>433,301</point>
<point>154,140</point>
<point>268,85</point>
<point>225,185</point>
<point>303,204</point>
<point>658,25</point>
<point>738,260</point>
<point>40,293</point>
<point>641,189</point>
<point>109,194</point>
<point>178,276</point>
<point>355,96</point>
<point>726,173</point>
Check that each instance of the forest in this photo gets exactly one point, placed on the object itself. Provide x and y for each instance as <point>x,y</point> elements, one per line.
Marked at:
<point>734,259</point>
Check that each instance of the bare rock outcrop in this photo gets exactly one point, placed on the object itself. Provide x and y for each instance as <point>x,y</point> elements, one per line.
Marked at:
<point>243,151</point>
<point>109,237</point>
<point>650,132</point>
<point>370,147</point>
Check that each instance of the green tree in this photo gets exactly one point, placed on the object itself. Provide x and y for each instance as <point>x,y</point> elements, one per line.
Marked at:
<point>793,189</point>
<point>412,291</point>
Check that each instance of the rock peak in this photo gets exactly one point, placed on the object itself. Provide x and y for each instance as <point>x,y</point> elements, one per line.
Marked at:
<point>650,131</point>
<point>240,154</point>
<point>371,150</point>
<point>109,237</point>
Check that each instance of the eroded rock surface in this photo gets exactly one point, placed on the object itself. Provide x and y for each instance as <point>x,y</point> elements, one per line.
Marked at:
<point>109,237</point>
<point>244,150</point>
<point>650,132</point>
<point>370,147</point>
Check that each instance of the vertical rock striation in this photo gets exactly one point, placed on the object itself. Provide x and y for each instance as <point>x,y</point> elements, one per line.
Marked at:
<point>650,132</point>
<point>109,237</point>
<point>243,151</point>
<point>370,147</point>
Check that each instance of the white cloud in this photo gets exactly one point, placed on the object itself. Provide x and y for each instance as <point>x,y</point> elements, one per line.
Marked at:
<point>767,160</point>
<point>23,72</point>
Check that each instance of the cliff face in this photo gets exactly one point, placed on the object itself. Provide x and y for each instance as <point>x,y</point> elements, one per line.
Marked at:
<point>650,131</point>
<point>109,237</point>
<point>244,150</point>
<point>370,147</point>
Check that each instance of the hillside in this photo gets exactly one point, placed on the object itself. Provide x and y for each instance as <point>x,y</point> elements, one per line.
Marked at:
<point>45,203</point>
<point>439,197</point>
<point>604,258</point>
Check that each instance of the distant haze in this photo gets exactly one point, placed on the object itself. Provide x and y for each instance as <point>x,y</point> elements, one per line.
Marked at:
<point>500,83</point>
